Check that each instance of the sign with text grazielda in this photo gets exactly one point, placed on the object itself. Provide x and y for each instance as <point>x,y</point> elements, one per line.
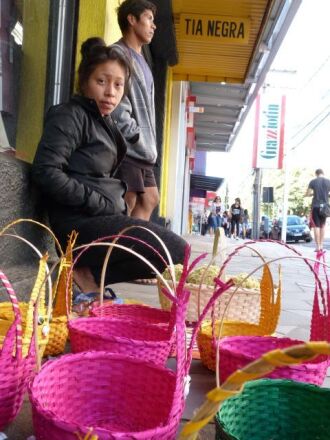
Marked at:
<point>225,29</point>
<point>268,146</point>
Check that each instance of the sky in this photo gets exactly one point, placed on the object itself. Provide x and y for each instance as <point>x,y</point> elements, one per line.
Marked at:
<point>305,54</point>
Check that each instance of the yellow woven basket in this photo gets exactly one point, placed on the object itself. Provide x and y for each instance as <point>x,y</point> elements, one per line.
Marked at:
<point>27,311</point>
<point>58,321</point>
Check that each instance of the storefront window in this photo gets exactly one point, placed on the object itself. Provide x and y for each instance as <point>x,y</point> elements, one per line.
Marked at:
<point>37,41</point>
<point>11,39</point>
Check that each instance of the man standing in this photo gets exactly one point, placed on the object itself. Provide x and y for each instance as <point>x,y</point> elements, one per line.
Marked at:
<point>319,188</point>
<point>135,116</point>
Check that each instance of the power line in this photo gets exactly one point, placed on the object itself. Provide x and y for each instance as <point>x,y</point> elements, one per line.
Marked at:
<point>311,131</point>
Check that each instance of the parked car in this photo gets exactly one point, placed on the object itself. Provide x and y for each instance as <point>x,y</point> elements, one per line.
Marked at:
<point>296,229</point>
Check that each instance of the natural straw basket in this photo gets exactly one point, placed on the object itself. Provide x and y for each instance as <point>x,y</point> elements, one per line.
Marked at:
<point>58,325</point>
<point>288,418</point>
<point>247,305</point>
<point>17,359</point>
<point>235,352</point>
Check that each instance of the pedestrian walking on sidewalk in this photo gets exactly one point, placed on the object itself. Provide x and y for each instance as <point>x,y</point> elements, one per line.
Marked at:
<point>319,188</point>
<point>215,219</point>
<point>236,213</point>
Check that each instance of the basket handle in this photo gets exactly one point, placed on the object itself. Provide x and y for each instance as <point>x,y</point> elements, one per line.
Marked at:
<point>220,288</point>
<point>122,234</point>
<point>29,220</point>
<point>49,280</point>
<point>100,242</point>
<point>59,290</point>
<point>238,286</point>
<point>320,324</point>
<point>248,245</point>
<point>235,382</point>
<point>37,291</point>
<point>298,257</point>
<point>18,318</point>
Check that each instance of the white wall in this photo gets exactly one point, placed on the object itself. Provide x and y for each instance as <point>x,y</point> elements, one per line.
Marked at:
<point>176,207</point>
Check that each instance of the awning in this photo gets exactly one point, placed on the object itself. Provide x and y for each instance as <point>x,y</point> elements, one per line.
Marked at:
<point>205,183</point>
<point>225,49</point>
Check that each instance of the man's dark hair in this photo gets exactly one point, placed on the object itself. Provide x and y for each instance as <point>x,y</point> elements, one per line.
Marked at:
<point>134,7</point>
<point>95,52</point>
<point>318,172</point>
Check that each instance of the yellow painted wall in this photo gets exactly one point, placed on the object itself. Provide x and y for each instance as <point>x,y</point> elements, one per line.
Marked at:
<point>166,145</point>
<point>93,21</point>
<point>33,78</point>
<point>100,21</point>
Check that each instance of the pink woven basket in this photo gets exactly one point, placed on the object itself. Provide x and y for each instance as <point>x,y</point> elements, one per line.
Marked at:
<point>15,370</point>
<point>143,338</point>
<point>118,396</point>
<point>135,312</point>
<point>238,351</point>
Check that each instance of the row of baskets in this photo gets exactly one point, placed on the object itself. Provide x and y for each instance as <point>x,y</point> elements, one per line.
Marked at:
<point>289,404</point>
<point>121,389</point>
<point>124,390</point>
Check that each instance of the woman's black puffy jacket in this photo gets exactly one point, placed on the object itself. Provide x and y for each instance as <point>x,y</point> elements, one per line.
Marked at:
<point>76,158</point>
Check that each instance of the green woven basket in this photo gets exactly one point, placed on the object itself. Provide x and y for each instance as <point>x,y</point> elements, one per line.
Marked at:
<point>275,410</point>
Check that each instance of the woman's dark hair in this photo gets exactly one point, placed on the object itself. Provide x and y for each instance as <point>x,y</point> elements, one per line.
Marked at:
<point>238,200</point>
<point>134,7</point>
<point>217,198</point>
<point>94,52</point>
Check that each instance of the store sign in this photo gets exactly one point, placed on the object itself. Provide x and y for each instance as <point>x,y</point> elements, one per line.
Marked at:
<point>233,30</point>
<point>269,132</point>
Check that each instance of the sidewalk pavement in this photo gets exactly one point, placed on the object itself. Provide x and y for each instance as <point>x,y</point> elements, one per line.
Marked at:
<point>297,301</point>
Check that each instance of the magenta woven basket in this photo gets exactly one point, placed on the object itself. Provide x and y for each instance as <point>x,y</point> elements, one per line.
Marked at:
<point>15,370</point>
<point>238,351</point>
<point>141,340</point>
<point>233,358</point>
<point>139,331</point>
<point>135,312</point>
<point>120,397</point>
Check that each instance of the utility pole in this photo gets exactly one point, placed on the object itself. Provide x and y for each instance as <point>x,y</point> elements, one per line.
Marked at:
<point>256,203</point>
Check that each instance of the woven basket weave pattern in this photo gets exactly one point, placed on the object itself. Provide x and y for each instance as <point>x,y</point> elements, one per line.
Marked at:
<point>232,358</point>
<point>245,303</point>
<point>149,342</point>
<point>277,410</point>
<point>15,370</point>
